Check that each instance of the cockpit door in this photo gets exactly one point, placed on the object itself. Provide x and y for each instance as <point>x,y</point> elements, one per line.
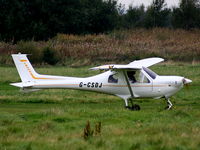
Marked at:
<point>141,83</point>
<point>146,79</point>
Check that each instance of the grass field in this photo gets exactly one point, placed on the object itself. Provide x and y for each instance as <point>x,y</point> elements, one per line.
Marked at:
<point>55,119</point>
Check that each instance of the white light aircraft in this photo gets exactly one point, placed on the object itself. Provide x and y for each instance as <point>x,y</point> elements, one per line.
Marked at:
<point>130,81</point>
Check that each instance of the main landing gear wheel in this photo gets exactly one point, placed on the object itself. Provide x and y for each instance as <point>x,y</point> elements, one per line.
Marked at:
<point>134,107</point>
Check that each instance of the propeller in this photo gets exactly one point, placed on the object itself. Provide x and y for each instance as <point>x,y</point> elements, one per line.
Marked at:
<point>186,82</point>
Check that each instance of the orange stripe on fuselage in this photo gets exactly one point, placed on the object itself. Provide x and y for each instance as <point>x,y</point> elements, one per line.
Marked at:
<point>111,85</point>
<point>34,77</point>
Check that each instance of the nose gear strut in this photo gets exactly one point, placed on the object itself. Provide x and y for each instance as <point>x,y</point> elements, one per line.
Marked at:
<point>169,104</point>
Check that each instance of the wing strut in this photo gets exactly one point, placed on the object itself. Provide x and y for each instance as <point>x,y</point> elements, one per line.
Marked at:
<point>128,83</point>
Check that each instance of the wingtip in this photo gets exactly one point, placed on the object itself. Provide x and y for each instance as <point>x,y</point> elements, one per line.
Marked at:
<point>93,68</point>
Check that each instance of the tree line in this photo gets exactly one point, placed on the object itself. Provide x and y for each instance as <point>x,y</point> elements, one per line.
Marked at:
<point>43,19</point>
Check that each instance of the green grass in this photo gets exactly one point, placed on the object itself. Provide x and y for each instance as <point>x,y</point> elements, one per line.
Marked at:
<point>55,119</point>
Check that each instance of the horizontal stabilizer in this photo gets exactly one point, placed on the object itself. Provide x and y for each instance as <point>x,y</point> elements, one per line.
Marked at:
<point>17,84</point>
<point>22,85</point>
<point>25,87</point>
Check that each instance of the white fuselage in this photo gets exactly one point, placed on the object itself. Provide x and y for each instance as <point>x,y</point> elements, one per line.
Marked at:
<point>161,86</point>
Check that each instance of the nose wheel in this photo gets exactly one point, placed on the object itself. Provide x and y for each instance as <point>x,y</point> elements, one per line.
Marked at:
<point>169,104</point>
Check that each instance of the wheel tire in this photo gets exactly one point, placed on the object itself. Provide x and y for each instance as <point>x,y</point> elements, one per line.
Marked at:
<point>167,108</point>
<point>136,107</point>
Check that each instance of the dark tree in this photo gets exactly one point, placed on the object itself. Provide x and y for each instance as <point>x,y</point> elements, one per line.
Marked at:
<point>134,17</point>
<point>100,16</point>
<point>157,15</point>
<point>187,15</point>
<point>43,19</point>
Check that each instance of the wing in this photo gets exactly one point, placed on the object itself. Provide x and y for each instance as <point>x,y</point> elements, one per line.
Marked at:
<point>146,62</point>
<point>114,67</point>
<point>135,65</point>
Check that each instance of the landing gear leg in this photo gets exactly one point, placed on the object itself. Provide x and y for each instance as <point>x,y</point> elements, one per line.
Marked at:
<point>169,104</point>
<point>126,103</point>
<point>133,106</point>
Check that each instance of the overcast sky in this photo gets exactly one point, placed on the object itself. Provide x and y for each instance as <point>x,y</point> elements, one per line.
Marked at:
<point>170,3</point>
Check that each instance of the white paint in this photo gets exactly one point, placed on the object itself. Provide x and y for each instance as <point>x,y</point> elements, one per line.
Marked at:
<point>148,84</point>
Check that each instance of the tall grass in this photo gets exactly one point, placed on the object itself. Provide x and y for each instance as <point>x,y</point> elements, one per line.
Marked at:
<point>118,46</point>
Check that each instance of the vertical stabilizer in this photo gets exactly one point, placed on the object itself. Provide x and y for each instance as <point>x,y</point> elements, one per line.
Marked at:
<point>24,67</point>
<point>28,74</point>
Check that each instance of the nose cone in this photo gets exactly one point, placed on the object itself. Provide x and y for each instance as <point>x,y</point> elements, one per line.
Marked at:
<point>186,81</point>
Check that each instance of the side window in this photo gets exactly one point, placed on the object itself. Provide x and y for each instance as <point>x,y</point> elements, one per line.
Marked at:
<point>143,78</point>
<point>137,76</point>
<point>131,76</point>
<point>112,79</point>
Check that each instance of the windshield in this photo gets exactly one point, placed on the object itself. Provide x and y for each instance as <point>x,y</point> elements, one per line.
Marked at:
<point>150,72</point>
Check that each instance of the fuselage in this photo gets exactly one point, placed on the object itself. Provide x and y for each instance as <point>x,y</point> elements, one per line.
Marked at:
<point>161,86</point>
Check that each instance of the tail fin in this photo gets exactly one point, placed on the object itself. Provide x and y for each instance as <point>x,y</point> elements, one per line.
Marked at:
<point>24,67</point>
<point>28,74</point>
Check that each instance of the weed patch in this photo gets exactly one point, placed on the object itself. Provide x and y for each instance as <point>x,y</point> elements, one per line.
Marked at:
<point>88,132</point>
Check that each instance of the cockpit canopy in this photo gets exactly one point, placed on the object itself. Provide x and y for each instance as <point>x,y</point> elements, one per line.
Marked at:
<point>145,75</point>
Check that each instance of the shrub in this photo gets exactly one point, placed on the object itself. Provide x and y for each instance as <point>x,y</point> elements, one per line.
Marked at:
<point>30,47</point>
<point>50,56</point>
